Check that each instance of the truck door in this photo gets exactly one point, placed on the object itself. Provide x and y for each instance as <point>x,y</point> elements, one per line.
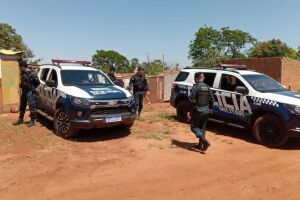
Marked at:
<point>230,105</point>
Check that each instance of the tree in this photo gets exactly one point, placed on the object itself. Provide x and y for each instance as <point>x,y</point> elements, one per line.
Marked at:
<point>154,67</point>
<point>211,46</point>
<point>10,40</point>
<point>234,41</point>
<point>298,52</point>
<point>273,48</point>
<point>134,63</point>
<point>206,49</point>
<point>104,59</point>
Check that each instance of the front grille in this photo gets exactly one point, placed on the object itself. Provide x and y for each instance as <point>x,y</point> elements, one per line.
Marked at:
<point>109,111</point>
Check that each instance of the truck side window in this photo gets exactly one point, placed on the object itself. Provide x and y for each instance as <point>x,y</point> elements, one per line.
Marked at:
<point>209,78</point>
<point>182,76</point>
<point>229,82</point>
<point>44,74</point>
<point>53,77</point>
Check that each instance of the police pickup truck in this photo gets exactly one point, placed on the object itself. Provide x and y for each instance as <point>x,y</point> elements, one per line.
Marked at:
<point>246,99</point>
<point>75,96</point>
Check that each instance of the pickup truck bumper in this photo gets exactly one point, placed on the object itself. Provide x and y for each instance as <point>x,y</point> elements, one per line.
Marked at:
<point>102,121</point>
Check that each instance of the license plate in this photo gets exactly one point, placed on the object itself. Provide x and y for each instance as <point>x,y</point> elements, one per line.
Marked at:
<point>113,119</point>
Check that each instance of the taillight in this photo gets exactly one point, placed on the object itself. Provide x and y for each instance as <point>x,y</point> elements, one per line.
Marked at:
<point>174,85</point>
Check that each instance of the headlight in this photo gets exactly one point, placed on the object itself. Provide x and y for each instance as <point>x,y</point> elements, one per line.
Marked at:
<point>297,109</point>
<point>294,109</point>
<point>80,101</point>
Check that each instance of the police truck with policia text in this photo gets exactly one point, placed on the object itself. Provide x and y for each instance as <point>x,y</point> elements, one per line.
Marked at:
<point>76,96</point>
<point>244,98</point>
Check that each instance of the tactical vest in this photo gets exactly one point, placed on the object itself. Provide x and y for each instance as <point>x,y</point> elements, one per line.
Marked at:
<point>29,81</point>
<point>139,83</point>
<point>202,98</point>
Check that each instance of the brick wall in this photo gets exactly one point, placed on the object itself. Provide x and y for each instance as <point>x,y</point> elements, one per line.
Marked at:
<point>269,66</point>
<point>156,84</point>
<point>291,73</point>
<point>284,70</point>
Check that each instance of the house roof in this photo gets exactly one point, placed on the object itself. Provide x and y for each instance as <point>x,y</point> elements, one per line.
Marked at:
<point>9,52</point>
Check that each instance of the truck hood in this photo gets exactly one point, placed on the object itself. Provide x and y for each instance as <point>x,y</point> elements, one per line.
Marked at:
<point>287,97</point>
<point>99,92</point>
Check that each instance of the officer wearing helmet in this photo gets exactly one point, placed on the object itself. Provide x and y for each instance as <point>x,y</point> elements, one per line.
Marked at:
<point>139,84</point>
<point>28,85</point>
<point>202,99</point>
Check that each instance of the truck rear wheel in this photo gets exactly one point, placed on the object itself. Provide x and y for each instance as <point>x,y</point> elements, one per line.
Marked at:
<point>270,131</point>
<point>62,124</point>
<point>182,108</point>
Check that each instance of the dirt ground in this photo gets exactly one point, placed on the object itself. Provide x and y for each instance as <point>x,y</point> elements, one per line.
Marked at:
<point>155,160</point>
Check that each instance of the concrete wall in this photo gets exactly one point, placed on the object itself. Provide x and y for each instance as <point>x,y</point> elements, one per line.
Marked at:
<point>291,73</point>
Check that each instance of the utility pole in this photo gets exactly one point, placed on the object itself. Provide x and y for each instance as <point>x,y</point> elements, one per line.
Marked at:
<point>148,58</point>
<point>163,62</point>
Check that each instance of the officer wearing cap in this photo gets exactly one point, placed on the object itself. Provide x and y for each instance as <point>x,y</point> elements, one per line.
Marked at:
<point>139,84</point>
<point>28,85</point>
<point>111,75</point>
<point>202,100</point>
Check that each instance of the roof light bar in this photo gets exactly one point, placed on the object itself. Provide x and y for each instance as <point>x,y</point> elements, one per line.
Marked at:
<point>234,66</point>
<point>82,62</point>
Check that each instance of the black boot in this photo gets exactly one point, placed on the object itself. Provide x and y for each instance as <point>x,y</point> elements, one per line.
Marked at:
<point>199,145</point>
<point>18,122</point>
<point>31,123</point>
<point>206,144</point>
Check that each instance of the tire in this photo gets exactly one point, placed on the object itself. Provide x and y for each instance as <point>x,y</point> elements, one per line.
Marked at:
<point>182,108</point>
<point>62,125</point>
<point>270,131</point>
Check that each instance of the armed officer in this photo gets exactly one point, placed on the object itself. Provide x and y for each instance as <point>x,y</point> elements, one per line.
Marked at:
<point>139,84</point>
<point>202,100</point>
<point>112,75</point>
<point>28,85</point>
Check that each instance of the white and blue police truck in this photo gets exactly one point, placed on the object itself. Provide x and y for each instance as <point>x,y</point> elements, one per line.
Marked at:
<point>244,98</point>
<point>76,96</point>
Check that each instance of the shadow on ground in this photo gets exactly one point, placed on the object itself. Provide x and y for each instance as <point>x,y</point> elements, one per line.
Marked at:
<point>95,135</point>
<point>245,134</point>
<point>186,145</point>
<point>92,135</point>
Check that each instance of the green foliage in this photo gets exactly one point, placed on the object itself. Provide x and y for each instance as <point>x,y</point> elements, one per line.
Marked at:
<point>211,46</point>
<point>10,40</point>
<point>104,59</point>
<point>234,41</point>
<point>134,63</point>
<point>155,67</point>
<point>206,49</point>
<point>298,52</point>
<point>273,48</point>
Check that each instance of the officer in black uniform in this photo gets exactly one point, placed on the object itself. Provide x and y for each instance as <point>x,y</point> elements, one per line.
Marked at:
<point>202,100</point>
<point>139,84</point>
<point>111,75</point>
<point>28,85</point>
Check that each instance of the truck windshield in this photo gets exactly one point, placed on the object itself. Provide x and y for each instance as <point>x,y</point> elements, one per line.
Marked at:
<point>84,77</point>
<point>263,83</point>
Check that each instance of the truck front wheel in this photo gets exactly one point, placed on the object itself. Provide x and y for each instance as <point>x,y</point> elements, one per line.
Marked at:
<point>62,125</point>
<point>270,131</point>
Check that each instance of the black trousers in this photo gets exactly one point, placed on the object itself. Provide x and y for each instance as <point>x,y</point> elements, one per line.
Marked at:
<point>29,97</point>
<point>139,100</point>
<point>198,122</point>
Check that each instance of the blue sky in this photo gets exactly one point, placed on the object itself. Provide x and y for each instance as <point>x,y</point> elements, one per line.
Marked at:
<point>76,29</point>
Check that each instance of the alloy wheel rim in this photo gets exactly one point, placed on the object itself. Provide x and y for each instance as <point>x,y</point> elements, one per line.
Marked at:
<point>270,133</point>
<point>63,123</point>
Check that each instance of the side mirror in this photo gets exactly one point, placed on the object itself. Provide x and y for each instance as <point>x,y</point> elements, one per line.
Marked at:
<point>51,83</point>
<point>241,89</point>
